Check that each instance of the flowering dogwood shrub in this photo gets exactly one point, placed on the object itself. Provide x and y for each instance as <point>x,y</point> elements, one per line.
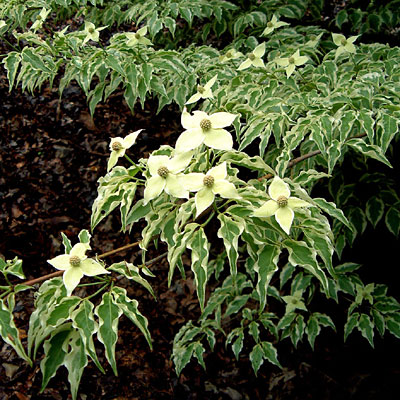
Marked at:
<point>274,113</point>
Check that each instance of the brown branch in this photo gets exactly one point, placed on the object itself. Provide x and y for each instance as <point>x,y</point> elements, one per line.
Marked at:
<point>59,273</point>
<point>305,156</point>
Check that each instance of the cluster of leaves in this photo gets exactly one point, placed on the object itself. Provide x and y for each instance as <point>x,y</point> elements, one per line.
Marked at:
<point>370,17</point>
<point>300,103</point>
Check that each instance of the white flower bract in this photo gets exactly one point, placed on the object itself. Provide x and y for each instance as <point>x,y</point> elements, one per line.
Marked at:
<point>292,62</point>
<point>40,19</point>
<point>344,45</point>
<point>281,204</point>
<point>138,37</point>
<point>165,175</point>
<point>254,58</point>
<point>203,92</point>
<point>272,25</point>
<point>75,265</point>
<point>208,185</point>
<point>92,33</point>
<point>118,147</point>
<point>203,128</point>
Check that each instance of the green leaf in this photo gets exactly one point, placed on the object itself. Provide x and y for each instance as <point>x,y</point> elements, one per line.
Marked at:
<point>366,327</point>
<point>368,150</point>
<point>257,357</point>
<point>237,345</point>
<point>130,309</point>
<point>108,313</point>
<point>67,243</point>
<point>198,352</point>
<point>352,322</point>
<point>199,246</point>
<point>181,356</point>
<point>11,63</point>
<point>54,353</point>
<point>36,61</point>
<point>131,272</point>
<point>181,239</point>
<point>230,232</point>
<point>392,220</point>
<point>301,254</point>
<point>270,353</point>
<point>330,208</point>
<point>393,326</point>
<point>244,160</point>
<point>347,267</point>
<point>379,321</point>
<point>62,311</point>
<point>389,128</point>
<point>75,362</point>
<point>236,304</point>
<point>312,330</point>
<point>13,267</point>
<point>83,320</point>
<point>266,266</point>
<point>9,332</point>
<point>374,210</point>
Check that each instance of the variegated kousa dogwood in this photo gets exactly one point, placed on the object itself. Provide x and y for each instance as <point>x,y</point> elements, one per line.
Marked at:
<point>203,92</point>
<point>290,63</point>
<point>281,204</point>
<point>165,175</point>
<point>118,147</point>
<point>203,128</point>
<point>208,185</point>
<point>138,37</point>
<point>75,265</point>
<point>254,58</point>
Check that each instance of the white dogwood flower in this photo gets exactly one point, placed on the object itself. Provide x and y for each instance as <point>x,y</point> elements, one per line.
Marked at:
<point>203,92</point>
<point>230,55</point>
<point>40,18</point>
<point>344,45</point>
<point>165,175</point>
<point>272,25</point>
<point>208,185</point>
<point>92,33</point>
<point>202,128</point>
<point>281,204</point>
<point>254,58</point>
<point>119,145</point>
<point>75,265</point>
<point>291,62</point>
<point>138,37</point>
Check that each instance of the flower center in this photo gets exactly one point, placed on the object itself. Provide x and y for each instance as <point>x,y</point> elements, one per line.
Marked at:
<point>91,30</point>
<point>208,181</point>
<point>270,24</point>
<point>343,42</point>
<point>39,18</point>
<point>291,60</point>
<point>74,261</point>
<point>200,89</point>
<point>228,54</point>
<point>282,201</point>
<point>116,146</point>
<point>205,124</point>
<point>163,172</point>
<point>251,56</point>
<point>137,35</point>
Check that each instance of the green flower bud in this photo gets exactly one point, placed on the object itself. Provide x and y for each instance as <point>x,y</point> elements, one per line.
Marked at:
<point>74,261</point>
<point>282,201</point>
<point>205,124</point>
<point>163,172</point>
<point>208,181</point>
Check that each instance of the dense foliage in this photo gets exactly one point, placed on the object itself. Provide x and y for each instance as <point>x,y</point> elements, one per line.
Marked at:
<point>272,111</point>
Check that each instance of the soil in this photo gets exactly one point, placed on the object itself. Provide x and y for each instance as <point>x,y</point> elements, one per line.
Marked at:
<point>51,155</point>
